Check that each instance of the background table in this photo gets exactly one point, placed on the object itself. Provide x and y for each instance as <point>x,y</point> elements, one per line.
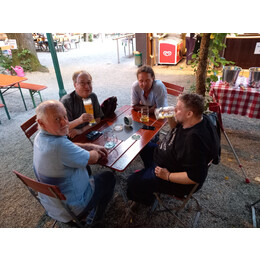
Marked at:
<point>244,100</point>
<point>7,82</point>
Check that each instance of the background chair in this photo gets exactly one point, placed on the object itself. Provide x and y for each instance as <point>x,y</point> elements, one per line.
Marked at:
<point>50,190</point>
<point>215,107</point>
<point>253,213</point>
<point>173,89</point>
<point>30,127</point>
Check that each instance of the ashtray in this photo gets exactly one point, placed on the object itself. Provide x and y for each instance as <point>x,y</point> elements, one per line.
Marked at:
<point>118,127</point>
<point>136,136</point>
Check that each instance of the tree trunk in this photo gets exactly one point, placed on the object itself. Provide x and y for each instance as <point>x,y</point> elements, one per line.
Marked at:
<point>25,41</point>
<point>201,73</point>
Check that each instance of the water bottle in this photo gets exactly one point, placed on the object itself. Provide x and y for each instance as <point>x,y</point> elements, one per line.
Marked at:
<point>164,112</point>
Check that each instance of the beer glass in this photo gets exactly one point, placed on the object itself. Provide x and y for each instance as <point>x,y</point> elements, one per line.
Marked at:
<point>89,110</point>
<point>144,114</point>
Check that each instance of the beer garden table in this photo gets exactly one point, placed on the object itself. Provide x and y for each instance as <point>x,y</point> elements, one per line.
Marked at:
<point>7,82</point>
<point>126,150</point>
<point>239,99</point>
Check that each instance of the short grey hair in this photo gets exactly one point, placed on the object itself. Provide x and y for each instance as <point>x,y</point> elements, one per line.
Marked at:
<point>42,109</point>
<point>77,73</point>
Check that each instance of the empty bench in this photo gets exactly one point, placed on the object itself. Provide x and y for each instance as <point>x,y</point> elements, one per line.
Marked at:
<point>33,88</point>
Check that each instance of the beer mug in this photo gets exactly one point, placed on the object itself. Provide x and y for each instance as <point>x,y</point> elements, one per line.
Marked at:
<point>89,110</point>
<point>164,112</point>
<point>144,114</point>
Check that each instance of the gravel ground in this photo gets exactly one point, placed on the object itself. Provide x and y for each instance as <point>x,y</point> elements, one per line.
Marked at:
<point>225,197</point>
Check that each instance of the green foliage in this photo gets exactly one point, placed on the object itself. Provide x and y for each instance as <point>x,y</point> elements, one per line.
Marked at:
<point>5,61</point>
<point>25,60</point>
<point>90,37</point>
<point>215,61</point>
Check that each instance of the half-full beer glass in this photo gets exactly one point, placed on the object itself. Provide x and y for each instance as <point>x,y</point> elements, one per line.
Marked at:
<point>89,110</point>
<point>144,114</point>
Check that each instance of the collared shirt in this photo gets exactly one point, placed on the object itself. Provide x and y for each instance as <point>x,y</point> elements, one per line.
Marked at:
<point>75,107</point>
<point>58,161</point>
<point>157,95</point>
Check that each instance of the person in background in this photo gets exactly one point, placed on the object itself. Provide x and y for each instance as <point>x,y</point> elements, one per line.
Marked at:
<point>147,91</point>
<point>58,161</point>
<point>181,159</point>
<point>73,102</point>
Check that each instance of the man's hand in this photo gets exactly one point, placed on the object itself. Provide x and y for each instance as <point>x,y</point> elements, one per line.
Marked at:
<point>74,132</point>
<point>162,173</point>
<point>86,117</point>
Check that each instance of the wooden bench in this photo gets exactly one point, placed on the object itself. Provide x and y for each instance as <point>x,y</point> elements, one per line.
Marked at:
<point>1,105</point>
<point>33,88</point>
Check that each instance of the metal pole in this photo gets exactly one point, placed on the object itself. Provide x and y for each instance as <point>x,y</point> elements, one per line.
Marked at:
<point>55,61</point>
<point>118,60</point>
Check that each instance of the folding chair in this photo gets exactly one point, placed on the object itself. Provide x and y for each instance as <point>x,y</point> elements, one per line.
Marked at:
<point>50,190</point>
<point>30,127</point>
<point>253,213</point>
<point>215,107</point>
<point>176,210</point>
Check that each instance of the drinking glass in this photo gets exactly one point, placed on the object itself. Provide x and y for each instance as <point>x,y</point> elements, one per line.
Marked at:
<point>89,110</point>
<point>110,139</point>
<point>144,114</point>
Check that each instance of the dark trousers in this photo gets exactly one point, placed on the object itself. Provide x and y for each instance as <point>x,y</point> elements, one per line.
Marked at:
<point>104,189</point>
<point>142,184</point>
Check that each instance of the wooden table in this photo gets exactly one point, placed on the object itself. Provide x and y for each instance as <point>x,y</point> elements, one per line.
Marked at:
<point>7,82</point>
<point>124,152</point>
<point>239,99</point>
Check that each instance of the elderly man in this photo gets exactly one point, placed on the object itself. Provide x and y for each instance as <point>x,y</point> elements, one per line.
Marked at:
<point>78,118</point>
<point>58,161</point>
<point>147,91</point>
<point>181,160</point>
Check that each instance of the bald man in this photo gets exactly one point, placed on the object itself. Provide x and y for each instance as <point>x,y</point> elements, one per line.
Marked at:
<point>58,161</point>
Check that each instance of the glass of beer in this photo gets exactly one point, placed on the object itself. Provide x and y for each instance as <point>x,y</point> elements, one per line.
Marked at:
<point>164,112</point>
<point>144,114</point>
<point>89,110</point>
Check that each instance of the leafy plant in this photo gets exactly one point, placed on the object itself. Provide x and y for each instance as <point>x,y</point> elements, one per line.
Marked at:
<point>215,61</point>
<point>25,60</point>
<point>5,61</point>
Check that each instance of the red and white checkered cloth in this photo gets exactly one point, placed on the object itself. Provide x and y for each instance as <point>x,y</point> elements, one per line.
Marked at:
<point>240,100</point>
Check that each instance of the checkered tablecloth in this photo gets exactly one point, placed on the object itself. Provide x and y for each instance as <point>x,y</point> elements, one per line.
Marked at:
<point>239,99</point>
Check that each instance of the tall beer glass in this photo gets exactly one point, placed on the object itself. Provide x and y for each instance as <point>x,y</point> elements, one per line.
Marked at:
<point>89,110</point>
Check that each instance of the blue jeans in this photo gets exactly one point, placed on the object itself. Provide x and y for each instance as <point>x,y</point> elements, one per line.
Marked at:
<point>104,190</point>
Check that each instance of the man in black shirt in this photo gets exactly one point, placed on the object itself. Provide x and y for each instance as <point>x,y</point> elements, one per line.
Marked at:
<point>78,118</point>
<point>181,159</point>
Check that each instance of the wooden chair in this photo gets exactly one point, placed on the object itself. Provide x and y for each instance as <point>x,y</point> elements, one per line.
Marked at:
<point>50,190</point>
<point>176,210</point>
<point>30,127</point>
<point>173,89</point>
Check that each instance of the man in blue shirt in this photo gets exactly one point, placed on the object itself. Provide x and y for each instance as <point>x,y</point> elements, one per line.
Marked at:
<point>58,161</point>
<point>147,91</point>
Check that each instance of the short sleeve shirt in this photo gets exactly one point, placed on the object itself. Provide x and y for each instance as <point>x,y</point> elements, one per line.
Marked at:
<point>58,161</point>
<point>75,107</point>
<point>157,95</point>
